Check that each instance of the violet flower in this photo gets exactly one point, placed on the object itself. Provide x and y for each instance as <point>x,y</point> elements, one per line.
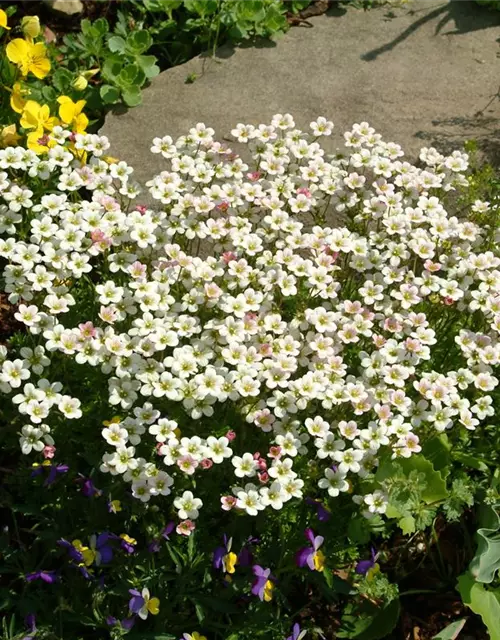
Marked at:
<point>311,556</point>
<point>47,576</point>
<point>136,602</point>
<point>262,585</point>
<point>364,566</point>
<point>297,634</point>
<point>88,488</point>
<point>74,554</point>
<point>30,623</point>
<point>54,469</point>
<point>322,512</point>
<point>154,545</point>
<point>219,553</point>
<point>126,623</point>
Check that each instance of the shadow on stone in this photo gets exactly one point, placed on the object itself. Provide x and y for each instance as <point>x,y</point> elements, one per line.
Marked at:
<point>466,16</point>
<point>452,133</point>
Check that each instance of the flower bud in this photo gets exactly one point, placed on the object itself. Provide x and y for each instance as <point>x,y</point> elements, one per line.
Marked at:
<point>30,26</point>
<point>80,83</point>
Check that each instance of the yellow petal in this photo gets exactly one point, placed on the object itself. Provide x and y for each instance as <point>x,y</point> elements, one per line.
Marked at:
<point>10,137</point>
<point>229,561</point>
<point>33,142</point>
<point>81,123</point>
<point>80,83</point>
<point>30,118</point>
<point>18,51</point>
<point>17,100</point>
<point>3,19</point>
<point>268,591</point>
<point>66,110</point>
<point>39,64</point>
<point>153,606</point>
<point>319,561</point>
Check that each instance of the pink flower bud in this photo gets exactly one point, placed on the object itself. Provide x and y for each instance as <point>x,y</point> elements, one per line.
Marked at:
<point>228,256</point>
<point>206,463</point>
<point>141,209</point>
<point>304,191</point>
<point>254,176</point>
<point>231,435</point>
<point>48,451</point>
<point>263,477</point>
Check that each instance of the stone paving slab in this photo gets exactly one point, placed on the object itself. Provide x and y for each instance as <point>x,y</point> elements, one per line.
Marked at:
<point>419,78</point>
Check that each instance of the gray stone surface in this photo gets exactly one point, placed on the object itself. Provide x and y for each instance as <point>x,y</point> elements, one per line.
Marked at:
<point>419,78</point>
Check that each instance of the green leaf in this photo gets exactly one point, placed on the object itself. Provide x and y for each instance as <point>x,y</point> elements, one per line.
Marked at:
<point>117,44</point>
<point>127,76</point>
<point>201,7</point>
<point>109,94</point>
<point>86,27</point>
<point>132,96</point>
<point>435,491</point>
<point>470,461</point>
<point>139,41</point>
<point>49,94</point>
<point>148,65</point>
<point>112,68</point>
<point>150,636</point>
<point>482,602</point>
<point>101,26</point>
<point>437,450</point>
<point>383,623</point>
<point>62,79</point>
<point>486,561</point>
<point>451,631</point>
<point>407,525</point>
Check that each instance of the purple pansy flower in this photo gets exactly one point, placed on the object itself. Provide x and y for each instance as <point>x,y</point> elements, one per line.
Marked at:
<point>297,634</point>
<point>54,469</point>
<point>364,566</point>
<point>88,488</point>
<point>154,545</point>
<point>47,576</point>
<point>262,577</point>
<point>74,554</point>
<point>104,551</point>
<point>309,555</point>
<point>126,623</point>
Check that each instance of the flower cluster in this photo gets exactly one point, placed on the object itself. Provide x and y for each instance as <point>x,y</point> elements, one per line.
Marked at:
<point>310,300</point>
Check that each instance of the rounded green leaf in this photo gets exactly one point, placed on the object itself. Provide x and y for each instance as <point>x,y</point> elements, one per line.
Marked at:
<point>132,96</point>
<point>109,94</point>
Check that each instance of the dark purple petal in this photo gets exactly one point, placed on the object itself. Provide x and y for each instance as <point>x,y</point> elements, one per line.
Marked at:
<point>295,632</point>
<point>136,603</point>
<point>309,534</point>
<point>134,592</point>
<point>260,571</point>
<point>245,557</point>
<point>128,623</point>
<point>302,556</point>
<point>48,576</point>
<point>51,477</point>
<point>258,587</point>
<point>111,621</point>
<point>168,530</point>
<point>154,546</point>
<point>364,566</point>
<point>30,622</point>
<point>106,554</point>
<point>126,546</point>
<point>323,514</point>
<point>37,472</point>
<point>219,554</point>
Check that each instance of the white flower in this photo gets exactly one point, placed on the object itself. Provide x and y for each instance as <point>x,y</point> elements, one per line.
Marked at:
<point>188,506</point>
<point>244,466</point>
<point>334,482</point>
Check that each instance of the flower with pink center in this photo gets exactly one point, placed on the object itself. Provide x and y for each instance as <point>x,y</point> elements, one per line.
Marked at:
<point>222,206</point>
<point>87,330</point>
<point>432,266</point>
<point>378,341</point>
<point>229,256</point>
<point>393,325</point>
<point>185,528</point>
<point>137,269</point>
<point>265,349</point>
<point>228,502</point>
<point>187,464</point>
<point>212,291</point>
<point>254,175</point>
<point>274,452</point>
<point>107,314</point>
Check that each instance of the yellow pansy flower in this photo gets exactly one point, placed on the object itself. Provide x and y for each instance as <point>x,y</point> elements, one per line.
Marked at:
<point>88,554</point>
<point>9,136</point>
<point>319,561</point>
<point>37,116</point>
<point>229,561</point>
<point>71,113</point>
<point>115,506</point>
<point>3,19</point>
<point>17,100</point>
<point>30,26</point>
<point>29,57</point>
<point>268,591</point>
<point>38,141</point>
